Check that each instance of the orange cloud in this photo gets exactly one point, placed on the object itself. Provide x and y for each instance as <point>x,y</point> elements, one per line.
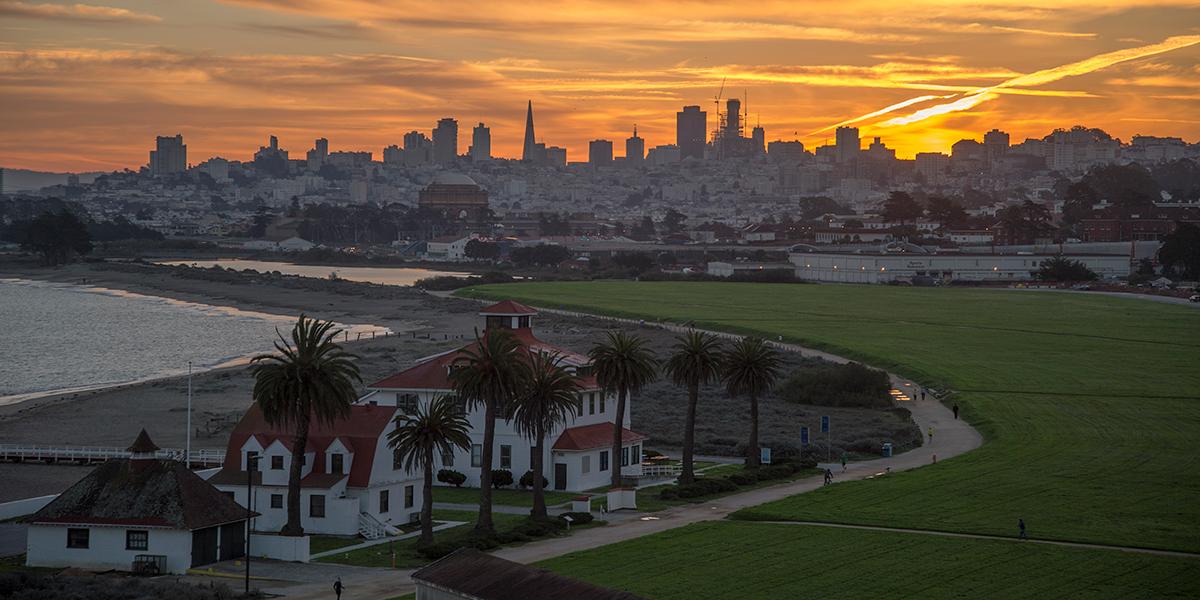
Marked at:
<point>78,12</point>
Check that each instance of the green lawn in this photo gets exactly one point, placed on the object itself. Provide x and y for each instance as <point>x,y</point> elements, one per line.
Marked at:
<point>321,543</point>
<point>1090,404</point>
<point>731,559</point>
<point>507,497</point>
<point>649,501</point>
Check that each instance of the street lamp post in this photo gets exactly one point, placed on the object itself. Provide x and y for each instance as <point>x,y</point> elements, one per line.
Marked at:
<point>187,451</point>
<point>251,463</point>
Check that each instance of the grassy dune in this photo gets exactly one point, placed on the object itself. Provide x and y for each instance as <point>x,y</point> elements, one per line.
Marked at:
<point>1090,404</point>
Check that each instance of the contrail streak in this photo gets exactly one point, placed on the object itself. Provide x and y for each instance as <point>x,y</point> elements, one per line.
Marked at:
<point>884,111</point>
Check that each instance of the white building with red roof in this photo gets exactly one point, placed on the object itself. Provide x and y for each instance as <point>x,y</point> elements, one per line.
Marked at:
<point>349,483</point>
<point>577,455</point>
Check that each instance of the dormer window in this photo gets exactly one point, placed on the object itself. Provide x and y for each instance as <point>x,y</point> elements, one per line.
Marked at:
<point>407,403</point>
<point>523,322</point>
<point>583,371</point>
<point>496,322</point>
<point>336,463</point>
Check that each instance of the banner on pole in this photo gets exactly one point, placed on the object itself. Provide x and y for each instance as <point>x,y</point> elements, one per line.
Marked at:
<point>765,456</point>
<point>803,436</point>
<point>825,424</point>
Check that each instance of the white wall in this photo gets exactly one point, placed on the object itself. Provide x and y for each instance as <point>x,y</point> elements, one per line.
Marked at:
<point>47,547</point>
<point>27,506</point>
<point>341,513</point>
<point>278,547</point>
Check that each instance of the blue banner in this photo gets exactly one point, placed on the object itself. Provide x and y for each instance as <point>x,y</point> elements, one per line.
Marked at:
<point>825,424</point>
<point>765,456</point>
<point>803,436</point>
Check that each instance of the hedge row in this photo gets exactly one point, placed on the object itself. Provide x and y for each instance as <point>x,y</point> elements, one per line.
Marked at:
<point>526,531</point>
<point>707,486</point>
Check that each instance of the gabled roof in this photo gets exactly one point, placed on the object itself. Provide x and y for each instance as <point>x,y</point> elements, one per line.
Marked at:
<point>474,574</point>
<point>150,493</point>
<point>434,373</point>
<point>360,432</point>
<point>589,437</point>
<point>508,307</point>
<point>143,444</point>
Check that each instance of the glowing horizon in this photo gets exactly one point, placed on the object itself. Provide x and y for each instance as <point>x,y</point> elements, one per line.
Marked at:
<point>87,87</point>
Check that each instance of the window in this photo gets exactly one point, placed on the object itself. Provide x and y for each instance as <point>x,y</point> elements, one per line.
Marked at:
<point>579,405</point>
<point>587,464</point>
<point>383,501</point>
<point>137,540</point>
<point>230,495</point>
<point>277,463</point>
<point>505,456</point>
<point>448,459</point>
<point>636,453</point>
<point>397,464</point>
<point>624,457</point>
<point>336,462</point>
<point>251,460</point>
<point>603,460</point>
<point>602,402</point>
<point>408,496</point>
<point>276,500</point>
<point>591,404</point>
<point>78,538</point>
<point>407,403</point>
<point>476,455</point>
<point>523,322</point>
<point>316,506</point>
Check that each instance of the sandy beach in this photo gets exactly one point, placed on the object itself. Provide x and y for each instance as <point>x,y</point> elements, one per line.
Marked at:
<point>425,324</point>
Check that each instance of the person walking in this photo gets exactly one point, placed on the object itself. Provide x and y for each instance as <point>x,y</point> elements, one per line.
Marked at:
<point>828,476</point>
<point>338,587</point>
<point>922,394</point>
<point>955,411</point>
<point>931,434</point>
<point>1021,526</point>
<point>843,461</point>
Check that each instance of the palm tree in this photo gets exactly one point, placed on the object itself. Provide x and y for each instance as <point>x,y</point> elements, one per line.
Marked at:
<point>547,400</point>
<point>623,365</point>
<point>696,362</point>
<point>489,374</point>
<point>311,377</point>
<point>751,368</point>
<point>417,438</point>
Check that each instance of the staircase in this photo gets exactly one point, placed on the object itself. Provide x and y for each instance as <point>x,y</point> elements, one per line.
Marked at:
<point>372,529</point>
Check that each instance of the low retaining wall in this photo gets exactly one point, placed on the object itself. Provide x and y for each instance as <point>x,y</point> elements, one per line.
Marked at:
<point>279,547</point>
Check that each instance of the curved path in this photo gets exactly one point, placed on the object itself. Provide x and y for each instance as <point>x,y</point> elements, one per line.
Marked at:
<point>952,437</point>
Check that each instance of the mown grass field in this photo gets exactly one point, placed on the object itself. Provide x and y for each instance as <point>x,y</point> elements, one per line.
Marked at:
<point>732,559</point>
<point>1090,404</point>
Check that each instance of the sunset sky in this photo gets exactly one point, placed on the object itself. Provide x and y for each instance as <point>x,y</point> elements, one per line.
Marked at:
<point>88,86</point>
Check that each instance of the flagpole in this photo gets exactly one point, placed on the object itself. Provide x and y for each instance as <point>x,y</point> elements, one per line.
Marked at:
<point>187,453</point>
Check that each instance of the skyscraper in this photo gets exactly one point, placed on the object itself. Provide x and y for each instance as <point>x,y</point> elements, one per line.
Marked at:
<point>600,153</point>
<point>169,155</point>
<point>733,120</point>
<point>529,152</point>
<point>316,157</point>
<point>847,144</point>
<point>691,125</point>
<point>995,143</point>
<point>481,143</point>
<point>759,140</point>
<point>445,141</point>
<point>635,148</point>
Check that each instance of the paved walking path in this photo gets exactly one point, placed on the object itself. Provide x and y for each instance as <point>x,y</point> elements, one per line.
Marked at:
<point>951,438</point>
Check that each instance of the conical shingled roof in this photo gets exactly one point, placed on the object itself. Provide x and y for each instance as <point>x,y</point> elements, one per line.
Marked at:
<point>143,444</point>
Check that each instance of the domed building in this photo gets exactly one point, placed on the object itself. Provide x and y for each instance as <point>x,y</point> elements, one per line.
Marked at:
<point>454,196</point>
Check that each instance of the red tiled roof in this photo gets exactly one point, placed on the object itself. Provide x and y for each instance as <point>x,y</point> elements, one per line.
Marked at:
<point>508,307</point>
<point>361,431</point>
<point>587,437</point>
<point>434,374</point>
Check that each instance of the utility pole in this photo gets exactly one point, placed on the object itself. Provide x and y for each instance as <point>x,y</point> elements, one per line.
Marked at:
<point>187,452</point>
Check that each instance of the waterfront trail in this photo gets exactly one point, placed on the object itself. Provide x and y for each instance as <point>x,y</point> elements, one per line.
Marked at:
<point>952,437</point>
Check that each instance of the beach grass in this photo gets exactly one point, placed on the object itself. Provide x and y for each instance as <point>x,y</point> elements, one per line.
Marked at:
<point>1090,405</point>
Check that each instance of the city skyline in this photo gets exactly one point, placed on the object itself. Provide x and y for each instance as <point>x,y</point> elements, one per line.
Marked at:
<point>363,75</point>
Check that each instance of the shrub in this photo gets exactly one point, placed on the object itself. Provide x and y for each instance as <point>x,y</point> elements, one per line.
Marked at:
<point>527,480</point>
<point>501,478</point>
<point>669,492</point>
<point>848,385</point>
<point>578,518</point>
<point>437,550</point>
<point>705,487</point>
<point>743,478</point>
<point>451,477</point>
<point>29,586</point>
<point>774,471</point>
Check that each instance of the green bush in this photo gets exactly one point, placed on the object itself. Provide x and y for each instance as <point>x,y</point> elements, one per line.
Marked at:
<point>669,492</point>
<point>501,478</point>
<point>705,487</point>
<point>527,480</point>
<point>451,477</point>
<point>848,385</point>
<point>437,550</point>
<point>578,518</point>
<point>743,478</point>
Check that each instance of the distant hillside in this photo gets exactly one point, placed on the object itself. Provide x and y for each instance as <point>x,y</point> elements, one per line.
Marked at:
<point>24,180</point>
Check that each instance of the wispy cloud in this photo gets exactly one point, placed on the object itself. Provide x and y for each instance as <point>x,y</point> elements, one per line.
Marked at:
<point>74,12</point>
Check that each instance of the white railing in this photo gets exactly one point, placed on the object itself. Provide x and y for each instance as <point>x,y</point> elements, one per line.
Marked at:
<point>660,471</point>
<point>370,528</point>
<point>90,454</point>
